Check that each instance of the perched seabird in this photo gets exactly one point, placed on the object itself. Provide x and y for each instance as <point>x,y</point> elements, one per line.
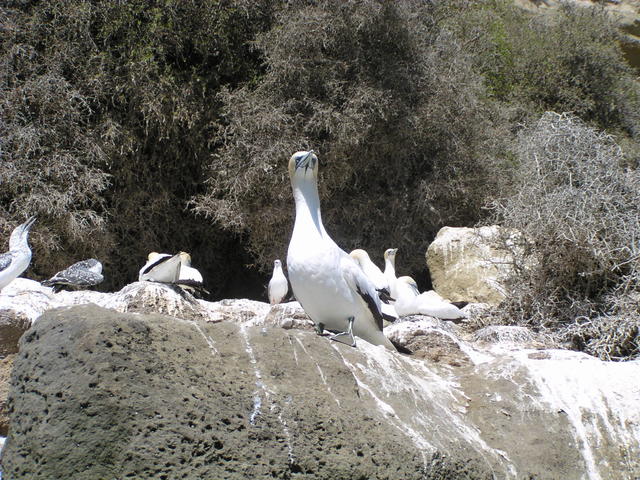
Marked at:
<point>17,259</point>
<point>372,271</point>
<point>278,285</point>
<point>190,278</point>
<point>161,267</point>
<point>411,302</point>
<point>328,283</point>
<point>390,270</point>
<point>379,280</point>
<point>172,269</point>
<point>86,273</point>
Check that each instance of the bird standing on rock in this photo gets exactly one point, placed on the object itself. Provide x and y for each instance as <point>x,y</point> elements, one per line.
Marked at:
<point>331,287</point>
<point>278,285</point>
<point>17,259</point>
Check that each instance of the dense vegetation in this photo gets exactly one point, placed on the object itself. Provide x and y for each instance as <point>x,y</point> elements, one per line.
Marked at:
<point>166,125</point>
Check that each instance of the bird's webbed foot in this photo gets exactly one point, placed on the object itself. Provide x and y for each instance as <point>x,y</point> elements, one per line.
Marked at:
<point>349,332</point>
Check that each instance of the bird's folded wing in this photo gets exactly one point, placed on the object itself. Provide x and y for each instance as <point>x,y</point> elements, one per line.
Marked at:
<point>360,284</point>
<point>166,269</point>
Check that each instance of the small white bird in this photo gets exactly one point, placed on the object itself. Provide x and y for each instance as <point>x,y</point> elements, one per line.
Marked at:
<point>85,273</point>
<point>331,287</point>
<point>278,285</point>
<point>390,270</point>
<point>411,302</point>
<point>17,259</point>
<point>161,267</point>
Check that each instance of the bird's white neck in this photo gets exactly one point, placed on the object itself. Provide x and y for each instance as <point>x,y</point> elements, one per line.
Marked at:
<point>308,218</point>
<point>389,267</point>
<point>18,241</point>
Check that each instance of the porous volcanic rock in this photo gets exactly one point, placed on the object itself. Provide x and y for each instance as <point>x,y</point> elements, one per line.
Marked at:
<point>240,389</point>
<point>102,394</point>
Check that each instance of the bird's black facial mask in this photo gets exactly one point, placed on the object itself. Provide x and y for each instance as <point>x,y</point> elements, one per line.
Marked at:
<point>306,161</point>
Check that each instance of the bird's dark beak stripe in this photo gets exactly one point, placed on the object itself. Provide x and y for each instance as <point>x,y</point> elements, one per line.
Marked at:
<point>304,160</point>
<point>29,223</point>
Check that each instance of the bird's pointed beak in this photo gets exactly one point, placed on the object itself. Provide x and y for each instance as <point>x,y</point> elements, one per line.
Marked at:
<point>306,161</point>
<point>26,226</point>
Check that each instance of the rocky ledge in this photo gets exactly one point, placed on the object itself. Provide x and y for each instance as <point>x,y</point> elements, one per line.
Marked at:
<point>149,384</point>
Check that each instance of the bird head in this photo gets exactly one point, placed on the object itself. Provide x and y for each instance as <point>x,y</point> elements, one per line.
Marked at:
<point>277,264</point>
<point>303,163</point>
<point>359,255</point>
<point>20,234</point>
<point>390,253</point>
<point>185,258</point>
<point>410,282</point>
<point>94,265</point>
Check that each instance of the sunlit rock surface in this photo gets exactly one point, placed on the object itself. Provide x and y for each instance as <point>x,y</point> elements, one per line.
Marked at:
<point>466,265</point>
<point>240,389</point>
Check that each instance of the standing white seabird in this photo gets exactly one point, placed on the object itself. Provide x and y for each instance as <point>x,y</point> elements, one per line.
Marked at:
<point>331,287</point>
<point>17,259</point>
<point>278,285</point>
<point>390,270</point>
<point>85,273</point>
<point>411,302</point>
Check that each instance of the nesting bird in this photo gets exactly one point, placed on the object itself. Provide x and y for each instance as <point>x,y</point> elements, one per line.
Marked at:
<point>278,285</point>
<point>172,269</point>
<point>411,302</point>
<point>328,283</point>
<point>17,259</point>
<point>83,274</point>
<point>161,267</point>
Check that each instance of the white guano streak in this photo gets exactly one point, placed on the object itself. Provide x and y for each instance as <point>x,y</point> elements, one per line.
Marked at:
<point>262,387</point>
<point>322,377</point>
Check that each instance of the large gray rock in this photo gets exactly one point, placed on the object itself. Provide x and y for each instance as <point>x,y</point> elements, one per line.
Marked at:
<point>98,393</point>
<point>150,396</point>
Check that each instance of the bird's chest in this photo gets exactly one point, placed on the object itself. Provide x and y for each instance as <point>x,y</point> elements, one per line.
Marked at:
<point>318,284</point>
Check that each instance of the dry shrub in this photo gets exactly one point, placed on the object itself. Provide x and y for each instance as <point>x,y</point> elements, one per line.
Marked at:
<point>387,98</point>
<point>107,117</point>
<point>578,206</point>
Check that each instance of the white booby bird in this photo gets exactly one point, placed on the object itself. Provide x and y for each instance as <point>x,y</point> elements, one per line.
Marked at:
<point>372,271</point>
<point>411,302</point>
<point>331,287</point>
<point>86,273</point>
<point>390,270</point>
<point>17,259</point>
<point>190,278</point>
<point>379,280</point>
<point>161,267</point>
<point>278,285</point>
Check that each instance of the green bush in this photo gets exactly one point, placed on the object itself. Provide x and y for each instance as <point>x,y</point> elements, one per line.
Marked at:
<point>568,61</point>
